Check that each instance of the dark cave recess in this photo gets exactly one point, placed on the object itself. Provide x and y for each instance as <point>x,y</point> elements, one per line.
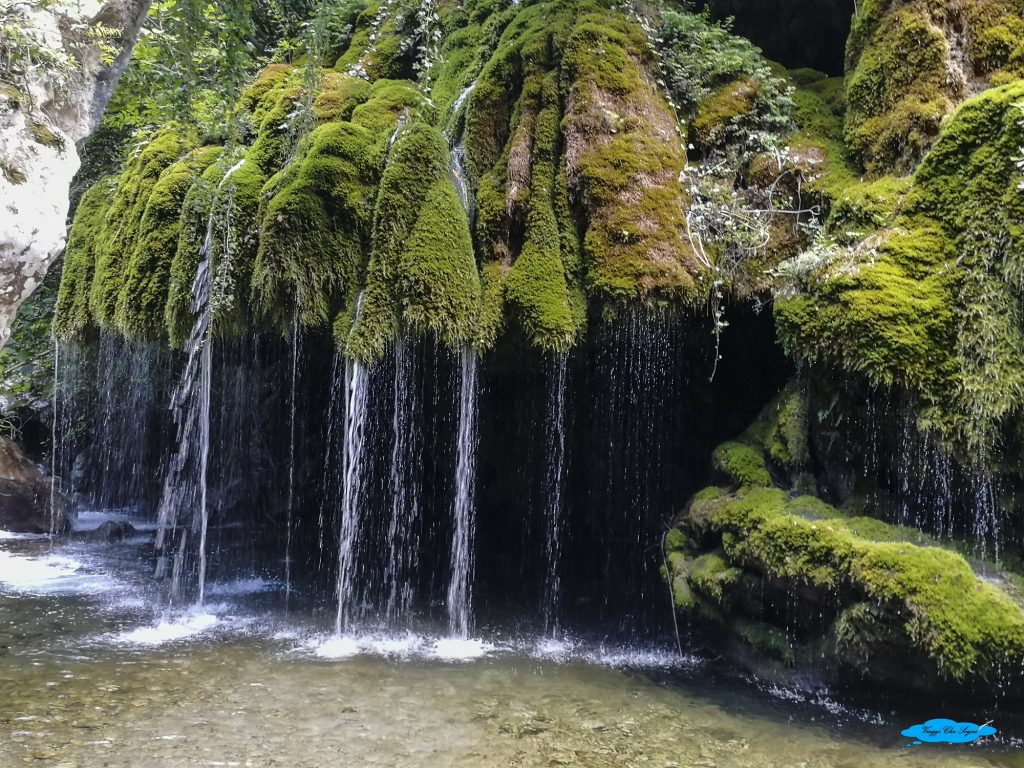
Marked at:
<point>796,33</point>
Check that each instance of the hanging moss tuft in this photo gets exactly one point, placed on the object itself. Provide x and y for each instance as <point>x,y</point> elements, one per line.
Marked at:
<point>143,296</point>
<point>124,217</point>
<point>72,315</point>
<point>422,270</point>
<point>316,229</point>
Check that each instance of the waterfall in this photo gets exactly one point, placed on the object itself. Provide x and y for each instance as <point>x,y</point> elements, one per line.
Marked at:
<point>460,595</point>
<point>292,437</point>
<point>357,381</point>
<point>406,457</point>
<point>555,481</point>
<point>185,485</point>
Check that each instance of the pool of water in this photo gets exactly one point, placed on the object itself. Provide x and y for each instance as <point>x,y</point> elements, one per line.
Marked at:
<point>92,675</point>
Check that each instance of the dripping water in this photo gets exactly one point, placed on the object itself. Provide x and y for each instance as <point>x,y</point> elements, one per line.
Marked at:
<point>555,438</point>
<point>403,539</point>
<point>460,588</point>
<point>457,153</point>
<point>296,350</point>
<point>353,510</point>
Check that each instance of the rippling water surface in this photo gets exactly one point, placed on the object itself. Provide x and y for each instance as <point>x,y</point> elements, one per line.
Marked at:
<point>92,675</point>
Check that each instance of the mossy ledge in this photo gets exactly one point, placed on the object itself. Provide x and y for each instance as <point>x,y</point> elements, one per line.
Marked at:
<point>876,601</point>
<point>573,155</point>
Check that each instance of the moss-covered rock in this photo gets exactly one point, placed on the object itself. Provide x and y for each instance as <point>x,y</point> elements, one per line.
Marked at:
<point>926,303</point>
<point>910,63</point>
<point>140,305</point>
<point>124,217</point>
<point>965,626</point>
<point>72,315</point>
<point>422,272</point>
<point>624,160</point>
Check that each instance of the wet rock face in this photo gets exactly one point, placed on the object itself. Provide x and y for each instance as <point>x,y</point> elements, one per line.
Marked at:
<point>796,33</point>
<point>25,494</point>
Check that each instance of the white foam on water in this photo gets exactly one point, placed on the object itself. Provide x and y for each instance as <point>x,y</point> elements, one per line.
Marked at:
<point>240,587</point>
<point>184,627</point>
<point>338,648</point>
<point>402,646</point>
<point>637,658</point>
<point>12,536</point>
<point>50,574</point>
<point>460,649</point>
<point>552,648</point>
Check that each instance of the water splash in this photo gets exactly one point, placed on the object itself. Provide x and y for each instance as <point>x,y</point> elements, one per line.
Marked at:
<point>460,595</point>
<point>555,439</point>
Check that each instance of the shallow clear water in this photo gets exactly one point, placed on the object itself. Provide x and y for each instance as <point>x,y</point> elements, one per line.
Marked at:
<point>90,675</point>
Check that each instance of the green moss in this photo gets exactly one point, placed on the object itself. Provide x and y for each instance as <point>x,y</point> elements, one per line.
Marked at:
<point>42,134</point>
<point>903,80</point>
<point>422,270</point>
<point>437,270</point>
<point>710,128</point>
<point>926,304</point>
<point>781,430</point>
<point>314,233</point>
<point>889,315</point>
<point>967,627</point>
<point>624,162</point>
<point>201,202</point>
<point>537,282</point>
<point>742,464</point>
<point>766,640</point>
<point>493,277</point>
<point>712,576</point>
<point>339,95</point>
<point>72,316</point>
<point>866,207</point>
<point>817,150</point>
<point>377,50</point>
<point>124,217</point>
<point>143,295</point>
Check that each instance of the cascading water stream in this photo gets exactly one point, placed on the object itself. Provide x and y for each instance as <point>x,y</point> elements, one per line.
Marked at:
<point>460,595</point>
<point>555,438</point>
<point>191,407</point>
<point>406,456</point>
<point>185,486</point>
<point>296,349</point>
<point>457,153</point>
<point>357,385</point>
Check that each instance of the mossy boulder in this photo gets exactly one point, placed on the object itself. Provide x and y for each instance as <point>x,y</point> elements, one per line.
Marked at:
<point>910,63</point>
<point>964,626</point>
